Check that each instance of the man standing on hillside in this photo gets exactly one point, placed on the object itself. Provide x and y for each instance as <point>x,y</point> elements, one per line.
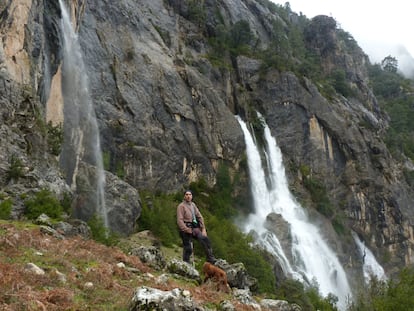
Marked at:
<point>191,225</point>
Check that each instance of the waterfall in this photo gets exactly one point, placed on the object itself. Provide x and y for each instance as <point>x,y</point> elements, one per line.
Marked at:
<point>311,257</point>
<point>81,132</point>
<point>371,267</point>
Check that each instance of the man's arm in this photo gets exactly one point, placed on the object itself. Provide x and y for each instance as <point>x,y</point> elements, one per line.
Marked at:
<point>180,220</point>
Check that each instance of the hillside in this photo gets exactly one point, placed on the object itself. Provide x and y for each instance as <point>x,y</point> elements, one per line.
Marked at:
<point>80,274</point>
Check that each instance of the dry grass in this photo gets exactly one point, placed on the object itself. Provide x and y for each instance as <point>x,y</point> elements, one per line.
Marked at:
<point>80,261</point>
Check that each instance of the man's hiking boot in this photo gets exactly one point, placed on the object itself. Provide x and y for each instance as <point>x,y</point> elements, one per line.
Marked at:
<point>210,257</point>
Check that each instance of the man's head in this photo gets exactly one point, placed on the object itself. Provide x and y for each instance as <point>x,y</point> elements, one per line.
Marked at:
<point>188,195</point>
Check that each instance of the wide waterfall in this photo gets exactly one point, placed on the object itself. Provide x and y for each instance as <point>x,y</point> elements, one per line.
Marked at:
<point>81,133</point>
<point>311,259</point>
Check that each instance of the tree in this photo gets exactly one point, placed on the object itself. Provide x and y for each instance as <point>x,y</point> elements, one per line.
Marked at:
<point>240,35</point>
<point>390,64</point>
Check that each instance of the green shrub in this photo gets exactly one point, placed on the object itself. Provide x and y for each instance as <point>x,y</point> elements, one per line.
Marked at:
<point>293,291</point>
<point>319,196</point>
<point>43,202</point>
<point>5,209</point>
<point>380,295</point>
<point>409,177</point>
<point>320,303</point>
<point>106,159</point>
<point>15,170</point>
<point>66,203</point>
<point>339,83</point>
<point>100,233</point>
<point>197,12</point>
<point>309,298</point>
<point>158,215</point>
<point>54,138</point>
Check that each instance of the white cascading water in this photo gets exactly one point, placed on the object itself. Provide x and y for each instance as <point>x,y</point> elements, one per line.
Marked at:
<point>312,259</point>
<point>371,267</point>
<point>80,119</point>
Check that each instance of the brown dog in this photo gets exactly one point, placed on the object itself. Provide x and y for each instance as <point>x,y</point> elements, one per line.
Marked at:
<point>216,274</point>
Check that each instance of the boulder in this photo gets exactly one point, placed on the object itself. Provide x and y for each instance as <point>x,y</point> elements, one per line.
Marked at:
<point>147,298</point>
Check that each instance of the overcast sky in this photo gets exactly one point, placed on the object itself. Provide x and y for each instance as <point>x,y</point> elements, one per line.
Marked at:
<point>381,28</point>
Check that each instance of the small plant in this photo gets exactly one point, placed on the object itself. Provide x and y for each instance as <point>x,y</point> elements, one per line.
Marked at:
<point>100,233</point>
<point>5,209</point>
<point>66,203</point>
<point>43,202</point>
<point>319,196</point>
<point>106,158</point>
<point>15,170</point>
<point>164,34</point>
<point>54,138</point>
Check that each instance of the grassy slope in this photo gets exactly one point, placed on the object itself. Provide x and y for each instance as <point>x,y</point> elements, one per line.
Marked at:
<point>81,261</point>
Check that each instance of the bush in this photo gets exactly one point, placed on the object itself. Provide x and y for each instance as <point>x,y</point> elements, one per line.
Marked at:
<point>54,138</point>
<point>158,215</point>
<point>5,209</point>
<point>66,203</point>
<point>293,291</point>
<point>395,294</point>
<point>15,170</point>
<point>43,202</point>
<point>100,233</point>
<point>319,196</point>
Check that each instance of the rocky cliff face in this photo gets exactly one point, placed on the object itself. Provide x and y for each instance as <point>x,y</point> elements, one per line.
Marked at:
<point>166,112</point>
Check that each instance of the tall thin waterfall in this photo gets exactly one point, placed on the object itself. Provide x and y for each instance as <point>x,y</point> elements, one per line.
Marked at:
<point>311,257</point>
<point>81,132</point>
<point>371,267</point>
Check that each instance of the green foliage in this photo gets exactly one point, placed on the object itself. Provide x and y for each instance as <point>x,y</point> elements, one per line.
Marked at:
<point>396,95</point>
<point>221,200</point>
<point>409,177</point>
<point>230,243</point>
<point>321,303</point>
<point>319,196</point>
<point>308,298</point>
<point>164,34</point>
<point>159,214</point>
<point>305,170</point>
<point>54,138</point>
<point>120,170</point>
<point>196,12</point>
<point>43,202</point>
<point>350,43</point>
<point>15,170</point>
<point>236,40</point>
<point>390,64</point>
<point>381,295</point>
<point>240,37</point>
<point>100,233</point>
<point>66,203</point>
<point>115,166</point>
<point>5,209</point>
<point>385,84</point>
<point>338,225</point>
<point>106,159</point>
<point>338,81</point>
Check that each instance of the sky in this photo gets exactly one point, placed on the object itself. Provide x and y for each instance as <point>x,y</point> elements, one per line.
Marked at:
<point>381,28</point>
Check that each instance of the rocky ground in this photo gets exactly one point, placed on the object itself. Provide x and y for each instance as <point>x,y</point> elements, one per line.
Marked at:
<point>42,270</point>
